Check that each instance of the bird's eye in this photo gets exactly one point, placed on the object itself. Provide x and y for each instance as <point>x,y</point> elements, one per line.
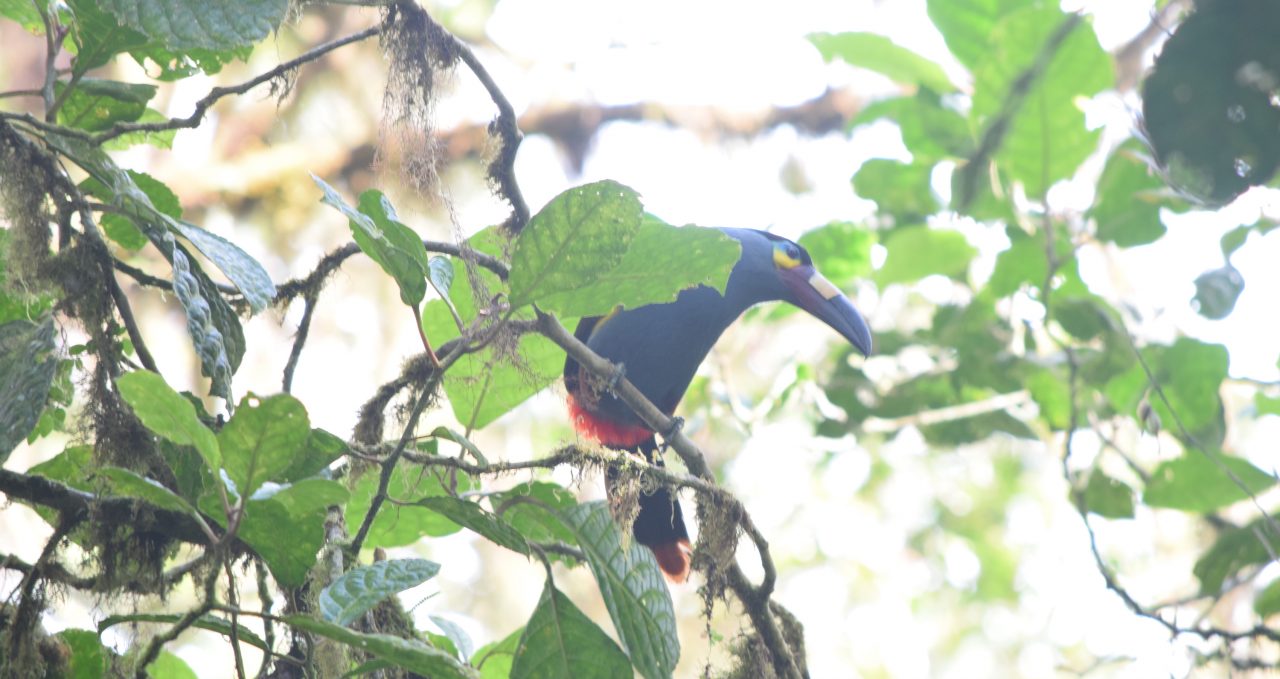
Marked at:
<point>793,251</point>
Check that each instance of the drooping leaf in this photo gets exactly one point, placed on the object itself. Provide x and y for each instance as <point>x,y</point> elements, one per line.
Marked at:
<point>165,412</point>
<point>129,483</point>
<point>633,589</point>
<point>560,641</point>
<point>207,24</point>
<point>660,261</point>
<point>243,270</point>
<point>1234,550</point>
<point>898,189</point>
<point>880,54</point>
<point>580,233</point>
<point>456,635</point>
<point>440,272</point>
<point>211,623</point>
<point>410,654</point>
<point>1046,138</point>
<point>918,251</point>
<point>462,441</point>
<point>96,104</point>
<point>1204,481</point>
<point>1108,497</point>
<point>470,515</point>
<point>395,247</point>
<point>262,440</point>
<point>211,345</point>
<point>27,369</point>
<point>360,589</point>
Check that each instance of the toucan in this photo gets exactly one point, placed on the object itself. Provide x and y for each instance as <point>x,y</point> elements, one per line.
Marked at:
<point>660,346</point>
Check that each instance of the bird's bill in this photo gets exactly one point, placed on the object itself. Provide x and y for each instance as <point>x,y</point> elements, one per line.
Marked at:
<point>816,295</point>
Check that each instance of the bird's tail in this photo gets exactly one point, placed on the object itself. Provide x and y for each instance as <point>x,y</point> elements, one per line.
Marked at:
<point>660,524</point>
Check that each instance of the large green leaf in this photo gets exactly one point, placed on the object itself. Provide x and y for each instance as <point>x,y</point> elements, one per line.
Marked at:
<point>165,412</point>
<point>395,247</point>
<point>633,589</point>
<point>398,525</point>
<point>841,250</point>
<point>967,25</point>
<point>1046,140</point>
<point>1204,481</point>
<point>531,507</point>
<point>208,24</point>
<point>89,659</point>
<point>930,130</point>
<point>300,509</point>
<point>880,54</point>
<point>262,440</point>
<point>661,261</point>
<point>919,251</point>
<point>470,515</point>
<point>904,191</point>
<point>578,235</point>
<point>1236,549</point>
<point>560,641</point>
<point>95,104</point>
<point>1127,208</point>
<point>360,589</point>
<point>410,654</point>
<point>97,36</point>
<point>130,484</point>
<point>27,368</point>
<point>484,385</point>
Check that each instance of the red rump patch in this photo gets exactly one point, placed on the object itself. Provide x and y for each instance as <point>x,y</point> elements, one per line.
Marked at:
<point>673,558</point>
<point>604,432</point>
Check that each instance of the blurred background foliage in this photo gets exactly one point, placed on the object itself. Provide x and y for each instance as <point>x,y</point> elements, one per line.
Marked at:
<point>1061,457</point>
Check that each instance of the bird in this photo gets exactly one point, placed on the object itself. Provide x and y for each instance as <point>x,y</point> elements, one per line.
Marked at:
<point>659,348</point>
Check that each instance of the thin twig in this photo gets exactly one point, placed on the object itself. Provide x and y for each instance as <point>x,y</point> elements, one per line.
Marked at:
<point>300,338</point>
<point>157,643</point>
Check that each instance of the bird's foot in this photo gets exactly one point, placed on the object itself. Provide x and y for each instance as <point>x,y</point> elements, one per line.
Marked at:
<point>677,423</point>
<point>619,372</point>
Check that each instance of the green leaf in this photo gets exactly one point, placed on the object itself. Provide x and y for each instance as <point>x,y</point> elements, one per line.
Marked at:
<point>458,438</point>
<point>161,139</point>
<point>88,657</point>
<point>1267,603</point>
<point>930,130</point>
<point>440,272</point>
<point>1266,405</point>
<point>582,232</point>
<point>560,641</point>
<point>320,450</point>
<point>170,666</point>
<point>301,508</point>
<point>1191,373</point>
<point>262,440</point>
<point>880,54</point>
<point>1204,481</point>
<point>98,37</point>
<point>24,13</point>
<point>919,251</point>
<point>455,635</point>
<point>530,508</point>
<point>1108,497</point>
<point>410,654</point>
<point>842,249</point>
<point>1023,263</point>
<point>966,25</point>
<point>207,24</point>
<point>1127,208</point>
<point>242,270</point>
<point>95,105</point>
<point>395,247</point>
<point>494,660</point>
<point>661,261</point>
<point>70,467</point>
<point>904,191</point>
<point>470,515</point>
<point>1050,392</point>
<point>199,301</point>
<point>211,623</point>
<point>396,525</point>
<point>1217,291</point>
<point>130,484</point>
<point>1083,317</point>
<point>360,589</point>
<point>168,414</point>
<point>1046,140</point>
<point>1235,549</point>
<point>633,589</point>
<point>27,368</point>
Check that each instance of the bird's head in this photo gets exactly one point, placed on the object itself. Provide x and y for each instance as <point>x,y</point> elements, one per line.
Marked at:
<point>773,267</point>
